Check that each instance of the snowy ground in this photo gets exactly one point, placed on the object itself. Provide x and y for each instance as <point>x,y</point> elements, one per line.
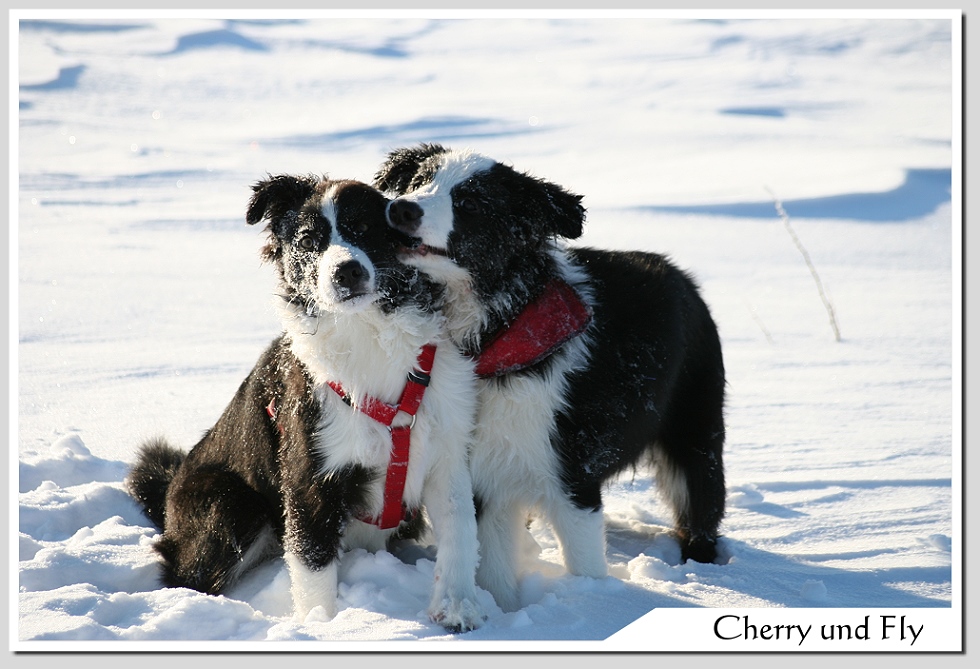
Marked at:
<point>139,303</point>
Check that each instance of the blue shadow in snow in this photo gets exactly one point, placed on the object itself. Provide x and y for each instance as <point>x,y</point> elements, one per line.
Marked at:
<point>215,38</point>
<point>923,191</point>
<point>390,46</point>
<point>67,78</point>
<point>771,112</point>
<point>68,27</point>
<point>390,49</point>
<point>265,22</point>
<point>428,129</point>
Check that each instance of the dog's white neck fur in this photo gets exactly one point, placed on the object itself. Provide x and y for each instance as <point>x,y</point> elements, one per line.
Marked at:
<point>435,197</point>
<point>367,351</point>
<point>467,315</point>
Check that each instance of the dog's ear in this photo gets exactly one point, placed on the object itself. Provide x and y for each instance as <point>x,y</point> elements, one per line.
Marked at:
<point>563,211</point>
<point>274,197</point>
<point>401,166</point>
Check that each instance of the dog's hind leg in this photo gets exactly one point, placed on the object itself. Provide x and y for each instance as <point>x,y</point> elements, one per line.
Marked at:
<point>691,476</point>
<point>581,533</point>
<point>693,486</point>
<point>217,527</point>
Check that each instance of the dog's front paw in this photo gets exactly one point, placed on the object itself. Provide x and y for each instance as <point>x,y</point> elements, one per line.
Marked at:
<point>503,587</point>
<point>457,615</point>
<point>316,614</point>
<point>314,591</point>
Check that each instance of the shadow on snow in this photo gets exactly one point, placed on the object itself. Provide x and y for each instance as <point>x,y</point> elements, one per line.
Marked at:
<point>922,192</point>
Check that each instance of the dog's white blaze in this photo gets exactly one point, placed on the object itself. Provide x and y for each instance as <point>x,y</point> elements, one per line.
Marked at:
<point>435,197</point>
<point>466,315</point>
<point>328,206</point>
<point>337,253</point>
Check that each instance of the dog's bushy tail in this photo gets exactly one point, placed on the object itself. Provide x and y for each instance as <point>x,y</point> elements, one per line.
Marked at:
<point>147,483</point>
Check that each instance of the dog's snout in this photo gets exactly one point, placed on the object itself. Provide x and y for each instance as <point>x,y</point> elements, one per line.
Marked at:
<point>351,275</point>
<point>405,215</point>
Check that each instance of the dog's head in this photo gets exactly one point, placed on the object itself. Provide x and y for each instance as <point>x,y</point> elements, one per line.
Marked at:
<point>473,211</point>
<point>332,247</point>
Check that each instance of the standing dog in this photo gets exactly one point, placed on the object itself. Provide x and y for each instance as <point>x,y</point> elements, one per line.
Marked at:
<point>312,454</point>
<point>594,361</point>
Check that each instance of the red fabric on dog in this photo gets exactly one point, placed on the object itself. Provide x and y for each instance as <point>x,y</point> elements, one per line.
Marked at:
<point>541,328</point>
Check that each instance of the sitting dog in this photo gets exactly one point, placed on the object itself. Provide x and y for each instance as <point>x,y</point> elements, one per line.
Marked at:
<point>593,361</point>
<point>311,457</point>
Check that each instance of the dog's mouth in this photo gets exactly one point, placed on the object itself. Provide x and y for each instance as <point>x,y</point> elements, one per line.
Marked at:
<point>352,302</point>
<point>413,247</point>
<point>410,246</point>
<point>351,295</point>
<point>422,250</point>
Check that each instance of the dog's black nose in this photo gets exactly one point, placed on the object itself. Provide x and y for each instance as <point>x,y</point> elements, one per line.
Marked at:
<point>351,275</point>
<point>405,215</point>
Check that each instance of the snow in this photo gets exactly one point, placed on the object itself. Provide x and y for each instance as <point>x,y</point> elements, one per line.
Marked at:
<point>138,302</point>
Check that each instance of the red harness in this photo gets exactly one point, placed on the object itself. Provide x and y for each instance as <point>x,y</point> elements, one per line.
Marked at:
<point>551,320</point>
<point>393,511</point>
<point>542,327</point>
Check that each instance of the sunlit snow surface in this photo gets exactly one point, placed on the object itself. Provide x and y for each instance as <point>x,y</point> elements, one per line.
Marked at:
<point>141,302</point>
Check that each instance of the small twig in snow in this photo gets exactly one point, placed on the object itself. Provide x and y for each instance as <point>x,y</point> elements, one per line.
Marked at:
<point>758,321</point>
<point>806,256</point>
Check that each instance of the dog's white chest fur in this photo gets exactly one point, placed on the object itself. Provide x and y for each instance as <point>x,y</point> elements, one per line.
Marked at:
<point>370,355</point>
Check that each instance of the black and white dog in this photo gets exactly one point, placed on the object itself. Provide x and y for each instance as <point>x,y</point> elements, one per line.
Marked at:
<point>594,361</point>
<point>311,457</point>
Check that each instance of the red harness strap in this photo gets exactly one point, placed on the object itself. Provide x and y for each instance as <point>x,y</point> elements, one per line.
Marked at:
<point>555,317</point>
<point>393,511</point>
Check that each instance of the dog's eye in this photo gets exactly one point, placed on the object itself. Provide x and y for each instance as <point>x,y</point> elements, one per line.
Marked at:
<point>469,205</point>
<point>362,227</point>
<point>307,243</point>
